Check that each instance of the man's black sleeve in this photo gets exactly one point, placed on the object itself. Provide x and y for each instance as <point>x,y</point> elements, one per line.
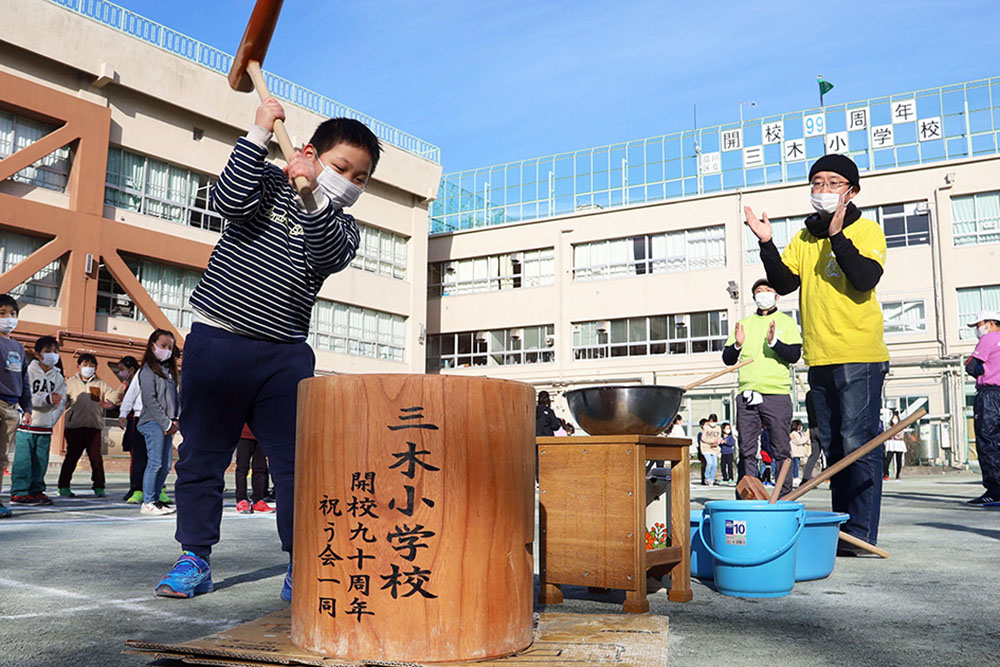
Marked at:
<point>730,355</point>
<point>974,367</point>
<point>553,421</point>
<point>862,272</point>
<point>778,274</point>
<point>789,353</point>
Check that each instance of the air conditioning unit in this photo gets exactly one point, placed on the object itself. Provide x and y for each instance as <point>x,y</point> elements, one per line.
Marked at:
<point>449,267</point>
<point>550,341</point>
<point>680,320</point>
<point>604,326</point>
<point>517,333</point>
<point>481,336</point>
<point>922,208</point>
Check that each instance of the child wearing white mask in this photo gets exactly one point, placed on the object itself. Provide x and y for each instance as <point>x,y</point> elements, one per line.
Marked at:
<point>158,421</point>
<point>48,398</point>
<point>253,306</point>
<point>15,389</point>
<point>835,262</point>
<point>87,397</point>
<point>984,365</point>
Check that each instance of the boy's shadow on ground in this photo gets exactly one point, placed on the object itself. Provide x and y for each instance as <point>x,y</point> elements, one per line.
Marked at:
<point>256,575</point>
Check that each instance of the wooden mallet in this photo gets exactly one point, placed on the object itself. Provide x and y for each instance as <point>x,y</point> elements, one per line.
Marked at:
<point>245,74</point>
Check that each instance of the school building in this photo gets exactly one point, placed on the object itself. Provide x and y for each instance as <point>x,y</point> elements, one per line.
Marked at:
<point>617,264</point>
<point>630,263</point>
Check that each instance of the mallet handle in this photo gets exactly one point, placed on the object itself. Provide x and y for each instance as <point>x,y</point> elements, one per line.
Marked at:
<point>253,69</point>
<point>861,544</point>
<point>854,456</point>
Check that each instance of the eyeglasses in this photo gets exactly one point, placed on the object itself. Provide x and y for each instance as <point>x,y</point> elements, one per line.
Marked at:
<point>818,185</point>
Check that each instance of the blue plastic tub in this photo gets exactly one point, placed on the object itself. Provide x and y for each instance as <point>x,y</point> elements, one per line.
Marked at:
<point>753,544</point>
<point>815,558</point>
<point>818,545</point>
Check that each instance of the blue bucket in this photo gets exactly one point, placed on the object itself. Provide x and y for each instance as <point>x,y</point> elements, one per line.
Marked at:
<point>753,544</point>
<point>818,545</point>
<point>702,564</point>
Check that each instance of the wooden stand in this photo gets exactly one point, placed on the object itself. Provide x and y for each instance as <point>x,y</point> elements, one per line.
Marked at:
<point>592,516</point>
<point>414,518</point>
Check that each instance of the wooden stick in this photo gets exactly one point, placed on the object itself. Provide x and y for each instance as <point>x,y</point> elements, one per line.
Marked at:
<point>280,133</point>
<point>785,467</point>
<point>854,456</point>
<point>861,544</point>
<point>718,374</point>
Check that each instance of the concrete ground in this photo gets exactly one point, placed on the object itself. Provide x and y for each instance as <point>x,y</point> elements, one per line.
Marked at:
<point>76,580</point>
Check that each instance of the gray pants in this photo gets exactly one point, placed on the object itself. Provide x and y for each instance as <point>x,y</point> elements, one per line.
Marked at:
<point>775,415</point>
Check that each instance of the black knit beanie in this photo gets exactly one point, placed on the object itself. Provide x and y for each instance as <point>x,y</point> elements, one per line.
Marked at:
<point>838,164</point>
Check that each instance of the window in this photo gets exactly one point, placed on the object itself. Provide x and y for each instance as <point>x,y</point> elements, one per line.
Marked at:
<point>169,286</point>
<point>684,250</point>
<point>653,335</point>
<point>153,187</point>
<point>381,252</point>
<point>903,317</point>
<point>971,301</point>
<point>17,132</point>
<point>976,218</point>
<point>905,224</point>
<point>42,288</point>
<point>499,347</point>
<point>364,332</point>
<point>492,273</point>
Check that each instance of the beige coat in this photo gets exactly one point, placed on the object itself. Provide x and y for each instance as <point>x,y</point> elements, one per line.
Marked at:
<point>801,445</point>
<point>83,402</point>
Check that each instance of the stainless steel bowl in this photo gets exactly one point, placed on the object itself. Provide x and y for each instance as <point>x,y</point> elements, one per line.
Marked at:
<point>618,410</point>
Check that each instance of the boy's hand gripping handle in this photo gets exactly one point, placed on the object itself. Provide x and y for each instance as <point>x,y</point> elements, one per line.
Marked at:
<point>253,69</point>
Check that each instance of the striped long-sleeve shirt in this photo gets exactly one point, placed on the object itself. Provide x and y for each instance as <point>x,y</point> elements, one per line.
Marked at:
<point>265,271</point>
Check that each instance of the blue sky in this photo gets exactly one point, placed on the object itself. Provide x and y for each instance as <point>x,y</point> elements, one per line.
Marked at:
<point>492,82</point>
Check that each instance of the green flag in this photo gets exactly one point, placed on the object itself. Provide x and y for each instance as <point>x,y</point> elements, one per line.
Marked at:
<point>824,85</point>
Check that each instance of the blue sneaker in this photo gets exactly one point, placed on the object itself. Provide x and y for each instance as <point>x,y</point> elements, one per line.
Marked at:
<point>190,576</point>
<point>286,588</point>
<point>5,513</point>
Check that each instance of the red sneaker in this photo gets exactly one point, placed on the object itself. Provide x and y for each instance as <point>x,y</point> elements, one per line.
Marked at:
<point>261,506</point>
<point>42,498</point>
<point>23,500</point>
<point>243,507</point>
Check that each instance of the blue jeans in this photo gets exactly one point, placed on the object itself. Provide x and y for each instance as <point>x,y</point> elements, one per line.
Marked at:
<point>158,451</point>
<point>848,398</point>
<point>711,463</point>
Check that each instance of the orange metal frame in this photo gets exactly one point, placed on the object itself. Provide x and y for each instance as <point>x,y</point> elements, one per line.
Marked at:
<point>81,229</point>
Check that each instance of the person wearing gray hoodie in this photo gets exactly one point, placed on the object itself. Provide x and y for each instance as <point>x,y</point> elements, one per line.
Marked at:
<point>48,401</point>
<point>158,421</point>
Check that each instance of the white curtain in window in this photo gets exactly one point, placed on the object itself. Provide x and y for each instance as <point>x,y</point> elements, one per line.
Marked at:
<point>622,262</point>
<point>340,320</point>
<point>988,210</point>
<point>963,214</point>
<point>6,134</point>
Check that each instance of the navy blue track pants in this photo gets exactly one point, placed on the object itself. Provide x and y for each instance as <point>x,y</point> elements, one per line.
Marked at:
<point>228,380</point>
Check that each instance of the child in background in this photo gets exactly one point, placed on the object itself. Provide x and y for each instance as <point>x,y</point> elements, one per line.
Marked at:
<point>251,454</point>
<point>86,400</point>
<point>48,399</point>
<point>984,365</point>
<point>247,350</point>
<point>132,440</point>
<point>798,439</point>
<point>895,448</point>
<point>711,436</point>
<point>158,421</point>
<point>15,389</point>
<point>727,446</point>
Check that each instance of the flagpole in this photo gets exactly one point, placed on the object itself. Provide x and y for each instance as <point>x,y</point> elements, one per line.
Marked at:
<point>820,77</point>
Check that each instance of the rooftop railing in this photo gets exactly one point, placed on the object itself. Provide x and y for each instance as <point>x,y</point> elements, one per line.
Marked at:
<point>951,122</point>
<point>151,32</point>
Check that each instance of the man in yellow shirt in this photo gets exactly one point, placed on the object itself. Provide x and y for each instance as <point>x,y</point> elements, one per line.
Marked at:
<point>836,261</point>
<point>771,338</point>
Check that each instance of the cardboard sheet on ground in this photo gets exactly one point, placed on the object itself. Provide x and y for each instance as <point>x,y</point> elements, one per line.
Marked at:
<point>627,640</point>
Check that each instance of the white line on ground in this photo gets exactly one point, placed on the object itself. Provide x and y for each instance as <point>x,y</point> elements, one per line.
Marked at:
<point>137,605</point>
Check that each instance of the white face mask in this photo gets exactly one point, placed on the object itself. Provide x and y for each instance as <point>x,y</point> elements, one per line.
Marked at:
<point>162,353</point>
<point>8,324</point>
<point>343,193</point>
<point>87,372</point>
<point>50,358</point>
<point>765,300</point>
<point>826,202</point>
<point>981,331</point>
